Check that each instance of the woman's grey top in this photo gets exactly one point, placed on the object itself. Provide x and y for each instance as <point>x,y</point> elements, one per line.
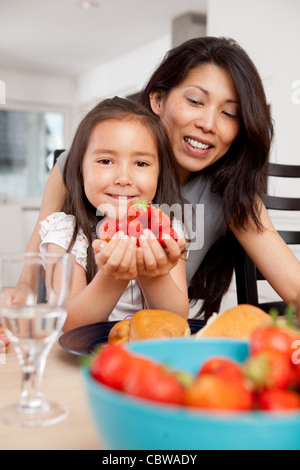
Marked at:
<point>203,218</point>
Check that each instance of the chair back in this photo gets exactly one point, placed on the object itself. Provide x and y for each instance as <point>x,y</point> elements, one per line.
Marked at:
<point>56,154</point>
<point>247,275</point>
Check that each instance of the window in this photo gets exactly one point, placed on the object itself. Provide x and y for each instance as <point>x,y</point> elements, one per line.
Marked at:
<point>27,142</point>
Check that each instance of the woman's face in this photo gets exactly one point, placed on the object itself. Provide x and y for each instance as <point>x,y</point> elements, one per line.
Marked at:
<point>201,115</point>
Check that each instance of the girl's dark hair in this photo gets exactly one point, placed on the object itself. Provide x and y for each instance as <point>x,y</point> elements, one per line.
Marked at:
<point>75,201</point>
<point>240,176</point>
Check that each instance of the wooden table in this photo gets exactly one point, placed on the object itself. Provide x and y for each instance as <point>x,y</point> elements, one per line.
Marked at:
<point>62,383</point>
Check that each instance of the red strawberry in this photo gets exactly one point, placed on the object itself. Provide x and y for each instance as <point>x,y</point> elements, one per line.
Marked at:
<point>278,400</point>
<point>111,365</point>
<point>131,227</point>
<point>168,232</point>
<point>139,210</point>
<point>270,369</point>
<point>222,367</point>
<point>152,382</point>
<point>142,215</point>
<point>296,365</point>
<point>219,393</point>
<point>274,337</point>
<point>134,228</point>
<point>159,222</point>
<point>107,229</point>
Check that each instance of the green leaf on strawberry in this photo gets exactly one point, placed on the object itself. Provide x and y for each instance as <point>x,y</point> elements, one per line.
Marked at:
<point>139,209</point>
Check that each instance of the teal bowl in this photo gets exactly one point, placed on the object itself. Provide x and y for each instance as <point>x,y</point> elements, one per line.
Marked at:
<point>124,422</point>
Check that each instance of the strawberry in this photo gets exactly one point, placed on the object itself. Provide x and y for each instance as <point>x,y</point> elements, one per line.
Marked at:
<point>139,210</point>
<point>219,393</point>
<point>153,382</point>
<point>278,336</point>
<point>142,215</point>
<point>278,400</point>
<point>159,222</point>
<point>117,368</point>
<point>271,338</point>
<point>296,366</point>
<point>131,227</point>
<point>270,369</point>
<point>107,229</point>
<point>170,232</point>
<point>110,366</point>
<point>222,367</point>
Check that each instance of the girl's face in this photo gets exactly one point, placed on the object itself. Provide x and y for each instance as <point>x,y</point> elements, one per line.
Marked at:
<point>201,116</point>
<point>119,165</point>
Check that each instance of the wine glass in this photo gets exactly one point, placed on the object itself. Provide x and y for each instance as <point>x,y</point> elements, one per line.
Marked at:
<point>33,316</point>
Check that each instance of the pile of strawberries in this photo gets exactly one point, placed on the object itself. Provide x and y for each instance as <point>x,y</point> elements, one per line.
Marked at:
<point>140,215</point>
<point>268,380</point>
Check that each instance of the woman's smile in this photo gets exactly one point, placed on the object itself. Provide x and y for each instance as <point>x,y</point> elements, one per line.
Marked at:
<point>197,147</point>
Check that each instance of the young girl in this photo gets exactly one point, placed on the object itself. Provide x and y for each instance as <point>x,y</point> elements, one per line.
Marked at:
<point>120,153</point>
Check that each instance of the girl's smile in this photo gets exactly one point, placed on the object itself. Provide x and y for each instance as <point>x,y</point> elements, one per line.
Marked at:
<point>120,164</point>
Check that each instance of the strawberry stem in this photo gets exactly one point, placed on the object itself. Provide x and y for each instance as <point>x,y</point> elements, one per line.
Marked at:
<point>290,315</point>
<point>274,315</point>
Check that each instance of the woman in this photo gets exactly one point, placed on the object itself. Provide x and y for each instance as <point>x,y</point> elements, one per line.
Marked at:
<point>209,96</point>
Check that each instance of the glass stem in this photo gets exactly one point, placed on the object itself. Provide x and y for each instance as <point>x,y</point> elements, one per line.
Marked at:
<point>32,365</point>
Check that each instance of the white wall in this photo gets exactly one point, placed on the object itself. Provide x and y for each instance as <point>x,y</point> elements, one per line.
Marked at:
<point>30,87</point>
<point>122,76</point>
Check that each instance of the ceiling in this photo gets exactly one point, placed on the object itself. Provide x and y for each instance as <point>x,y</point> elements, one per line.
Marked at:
<point>60,37</point>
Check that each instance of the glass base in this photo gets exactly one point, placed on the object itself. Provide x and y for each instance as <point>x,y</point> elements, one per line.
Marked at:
<point>45,415</point>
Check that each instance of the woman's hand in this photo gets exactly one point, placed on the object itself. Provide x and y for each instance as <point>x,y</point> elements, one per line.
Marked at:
<point>152,259</point>
<point>117,258</point>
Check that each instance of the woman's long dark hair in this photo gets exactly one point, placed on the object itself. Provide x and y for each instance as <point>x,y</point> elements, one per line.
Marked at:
<point>240,176</point>
<point>75,201</point>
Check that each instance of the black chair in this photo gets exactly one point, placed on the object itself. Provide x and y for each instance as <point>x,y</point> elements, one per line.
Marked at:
<point>56,154</point>
<point>247,275</point>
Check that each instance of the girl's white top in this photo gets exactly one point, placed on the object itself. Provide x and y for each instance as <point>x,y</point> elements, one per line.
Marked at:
<point>58,228</point>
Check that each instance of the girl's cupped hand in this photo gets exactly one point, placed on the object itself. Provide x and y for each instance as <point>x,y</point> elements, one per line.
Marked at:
<point>120,258</point>
<point>117,258</point>
<point>152,259</point>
